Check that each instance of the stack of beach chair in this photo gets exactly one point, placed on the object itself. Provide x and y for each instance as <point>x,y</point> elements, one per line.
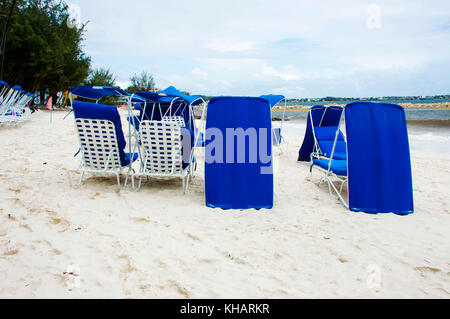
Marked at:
<point>14,104</point>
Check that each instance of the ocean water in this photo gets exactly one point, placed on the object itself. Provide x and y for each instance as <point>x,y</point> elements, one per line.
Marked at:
<point>422,101</point>
<point>411,115</point>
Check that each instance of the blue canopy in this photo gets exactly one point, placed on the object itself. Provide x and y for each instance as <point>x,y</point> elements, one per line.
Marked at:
<point>4,83</point>
<point>237,176</point>
<point>153,97</point>
<point>172,91</point>
<point>98,92</point>
<point>168,95</point>
<point>379,163</point>
<point>17,87</point>
<point>272,99</point>
<point>321,116</point>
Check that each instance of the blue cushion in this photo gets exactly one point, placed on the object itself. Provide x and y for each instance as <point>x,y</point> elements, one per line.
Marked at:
<point>325,136</point>
<point>339,167</point>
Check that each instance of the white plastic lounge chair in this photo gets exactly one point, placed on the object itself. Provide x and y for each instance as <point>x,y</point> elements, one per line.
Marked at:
<point>101,140</point>
<point>162,150</point>
<point>179,120</point>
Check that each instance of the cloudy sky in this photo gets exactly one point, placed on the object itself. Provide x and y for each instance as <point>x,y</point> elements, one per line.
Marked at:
<point>253,47</point>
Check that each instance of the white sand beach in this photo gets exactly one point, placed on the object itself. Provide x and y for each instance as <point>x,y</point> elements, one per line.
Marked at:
<point>99,241</point>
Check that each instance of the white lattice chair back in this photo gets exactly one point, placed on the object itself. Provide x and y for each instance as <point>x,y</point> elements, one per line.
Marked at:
<point>161,142</point>
<point>98,143</point>
<point>175,119</point>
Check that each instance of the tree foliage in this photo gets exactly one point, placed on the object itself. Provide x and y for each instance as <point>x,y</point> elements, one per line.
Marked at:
<point>141,82</point>
<point>101,77</point>
<point>43,53</point>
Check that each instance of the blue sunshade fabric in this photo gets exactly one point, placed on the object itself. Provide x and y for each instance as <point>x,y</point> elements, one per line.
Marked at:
<point>4,83</point>
<point>172,91</point>
<point>105,112</point>
<point>273,99</point>
<point>379,163</point>
<point>237,184</point>
<point>322,117</point>
<point>168,95</point>
<point>97,92</point>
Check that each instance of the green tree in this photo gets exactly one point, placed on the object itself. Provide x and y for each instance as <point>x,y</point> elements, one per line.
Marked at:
<point>101,77</point>
<point>141,82</point>
<point>43,52</point>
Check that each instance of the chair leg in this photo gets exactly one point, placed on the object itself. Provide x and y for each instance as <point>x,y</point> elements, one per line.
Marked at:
<point>81,178</point>
<point>138,188</point>
<point>330,184</point>
<point>187,184</point>
<point>126,180</point>
<point>118,179</point>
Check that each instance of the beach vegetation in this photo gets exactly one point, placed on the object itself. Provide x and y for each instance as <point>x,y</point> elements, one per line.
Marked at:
<point>141,82</point>
<point>43,51</point>
<point>101,77</point>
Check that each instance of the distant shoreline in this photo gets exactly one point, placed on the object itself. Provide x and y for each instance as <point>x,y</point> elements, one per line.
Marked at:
<point>407,106</point>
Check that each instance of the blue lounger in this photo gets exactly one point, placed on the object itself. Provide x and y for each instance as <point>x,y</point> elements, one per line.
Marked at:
<point>102,142</point>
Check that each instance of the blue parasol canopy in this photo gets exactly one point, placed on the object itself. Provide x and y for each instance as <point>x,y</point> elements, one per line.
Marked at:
<point>152,97</point>
<point>172,91</point>
<point>272,99</point>
<point>168,95</point>
<point>4,83</point>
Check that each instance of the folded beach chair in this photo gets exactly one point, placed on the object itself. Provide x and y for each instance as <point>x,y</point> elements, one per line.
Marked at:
<point>238,154</point>
<point>167,152</point>
<point>379,161</point>
<point>102,141</point>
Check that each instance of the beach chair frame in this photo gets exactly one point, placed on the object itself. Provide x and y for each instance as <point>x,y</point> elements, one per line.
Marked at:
<point>162,153</point>
<point>99,149</point>
<point>14,106</point>
<point>329,174</point>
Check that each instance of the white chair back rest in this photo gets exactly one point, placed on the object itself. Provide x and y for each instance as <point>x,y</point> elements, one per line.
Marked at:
<point>161,143</point>
<point>175,119</point>
<point>98,143</point>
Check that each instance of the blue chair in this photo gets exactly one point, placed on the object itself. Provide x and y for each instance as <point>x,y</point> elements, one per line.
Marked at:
<point>377,167</point>
<point>102,141</point>
<point>329,153</point>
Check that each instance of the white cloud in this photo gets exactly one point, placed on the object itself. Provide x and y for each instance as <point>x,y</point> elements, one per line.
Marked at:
<point>287,73</point>
<point>349,47</point>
